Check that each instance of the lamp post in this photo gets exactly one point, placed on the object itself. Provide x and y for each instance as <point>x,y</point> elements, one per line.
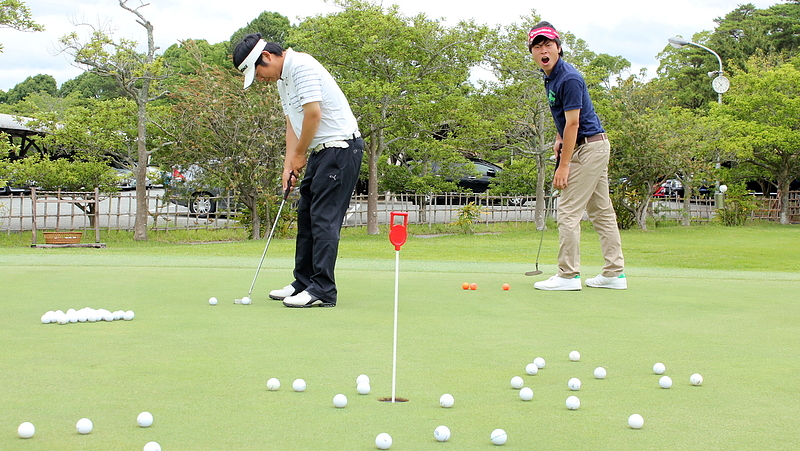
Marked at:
<point>720,84</point>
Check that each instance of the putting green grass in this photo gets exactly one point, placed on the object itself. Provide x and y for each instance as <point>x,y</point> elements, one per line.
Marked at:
<point>201,370</point>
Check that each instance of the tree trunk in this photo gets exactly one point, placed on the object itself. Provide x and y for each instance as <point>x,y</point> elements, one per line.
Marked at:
<point>140,223</point>
<point>783,195</point>
<point>641,213</point>
<point>372,185</point>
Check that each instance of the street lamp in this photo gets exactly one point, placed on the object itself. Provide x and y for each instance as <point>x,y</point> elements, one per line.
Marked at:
<point>720,84</point>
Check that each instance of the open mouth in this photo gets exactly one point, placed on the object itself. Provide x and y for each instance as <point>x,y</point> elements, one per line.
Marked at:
<point>545,60</point>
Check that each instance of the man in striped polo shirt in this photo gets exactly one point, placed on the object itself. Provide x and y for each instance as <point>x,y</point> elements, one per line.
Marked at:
<point>322,137</point>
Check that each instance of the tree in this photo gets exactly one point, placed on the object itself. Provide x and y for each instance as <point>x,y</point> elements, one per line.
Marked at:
<point>32,85</point>
<point>15,14</point>
<point>761,121</point>
<point>235,136</point>
<point>274,27</point>
<point>90,85</point>
<point>138,75</point>
<point>405,77</point>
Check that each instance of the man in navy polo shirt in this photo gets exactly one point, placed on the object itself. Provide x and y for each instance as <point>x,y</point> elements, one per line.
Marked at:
<point>582,151</point>
<point>322,137</point>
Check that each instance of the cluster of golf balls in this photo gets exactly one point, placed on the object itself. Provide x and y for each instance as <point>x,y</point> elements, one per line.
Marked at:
<point>474,286</point>
<point>85,426</point>
<point>84,315</point>
<point>245,300</point>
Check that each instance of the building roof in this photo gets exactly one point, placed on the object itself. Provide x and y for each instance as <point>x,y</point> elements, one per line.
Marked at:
<point>12,126</point>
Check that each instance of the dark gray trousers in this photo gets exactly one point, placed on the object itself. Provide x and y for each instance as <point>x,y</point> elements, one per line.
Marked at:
<point>325,191</point>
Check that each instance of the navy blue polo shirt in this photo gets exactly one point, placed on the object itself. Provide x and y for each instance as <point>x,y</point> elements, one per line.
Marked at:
<point>566,91</point>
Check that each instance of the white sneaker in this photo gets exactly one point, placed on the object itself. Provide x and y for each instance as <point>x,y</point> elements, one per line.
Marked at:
<point>282,293</point>
<point>306,299</point>
<point>615,283</point>
<point>557,283</point>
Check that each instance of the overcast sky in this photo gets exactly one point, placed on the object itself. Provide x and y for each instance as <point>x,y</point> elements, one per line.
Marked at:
<point>634,29</point>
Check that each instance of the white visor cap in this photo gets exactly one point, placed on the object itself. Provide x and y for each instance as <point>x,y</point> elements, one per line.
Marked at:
<point>248,66</point>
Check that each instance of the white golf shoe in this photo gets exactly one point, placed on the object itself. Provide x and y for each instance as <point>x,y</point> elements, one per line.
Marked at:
<point>557,283</point>
<point>282,293</point>
<point>306,299</point>
<point>615,283</point>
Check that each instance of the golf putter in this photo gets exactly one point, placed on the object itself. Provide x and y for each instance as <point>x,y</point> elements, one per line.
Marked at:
<point>541,237</point>
<point>271,232</point>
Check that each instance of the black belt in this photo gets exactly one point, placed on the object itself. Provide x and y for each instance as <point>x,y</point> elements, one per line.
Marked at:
<point>591,139</point>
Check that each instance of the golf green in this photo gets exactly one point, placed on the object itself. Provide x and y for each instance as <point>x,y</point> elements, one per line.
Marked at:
<point>201,370</point>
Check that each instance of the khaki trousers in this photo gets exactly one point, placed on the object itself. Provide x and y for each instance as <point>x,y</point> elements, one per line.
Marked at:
<point>587,190</point>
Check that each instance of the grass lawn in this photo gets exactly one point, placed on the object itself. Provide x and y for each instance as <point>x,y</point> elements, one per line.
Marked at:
<point>722,302</point>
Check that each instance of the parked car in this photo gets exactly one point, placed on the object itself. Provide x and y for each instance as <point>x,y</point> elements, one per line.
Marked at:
<point>185,187</point>
<point>674,188</point>
<point>476,176</point>
<point>127,179</point>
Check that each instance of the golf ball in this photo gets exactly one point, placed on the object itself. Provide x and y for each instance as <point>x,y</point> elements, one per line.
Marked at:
<point>383,441</point>
<point>659,368</point>
<point>273,384</point>
<point>63,318</point>
<point>506,286</point>
<point>339,400</point>
<point>145,419</point>
<point>152,446</point>
<point>84,426</point>
<point>635,421</point>
<point>517,382</point>
<point>531,369</point>
<point>26,430</point>
<point>473,286</point>
<point>696,379</point>
<point>574,384</point>
<point>600,372</point>
<point>246,300</point>
<point>539,361</point>
<point>129,316</point>
<point>446,400</point>
<point>526,394</point>
<point>665,382</point>
<point>573,403</point>
<point>362,379</point>
<point>499,437</point>
<point>465,285</point>
<point>46,318</point>
<point>574,356</point>
<point>363,388</point>
<point>442,433</point>
<point>212,300</point>
<point>299,385</point>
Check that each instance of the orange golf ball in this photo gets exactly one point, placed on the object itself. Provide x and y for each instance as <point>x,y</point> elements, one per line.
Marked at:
<point>506,286</point>
<point>473,286</point>
<point>465,285</point>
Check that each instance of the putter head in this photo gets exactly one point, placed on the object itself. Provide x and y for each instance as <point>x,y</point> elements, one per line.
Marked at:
<point>533,273</point>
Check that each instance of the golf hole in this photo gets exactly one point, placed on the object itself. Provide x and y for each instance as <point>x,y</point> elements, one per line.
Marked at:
<point>396,399</point>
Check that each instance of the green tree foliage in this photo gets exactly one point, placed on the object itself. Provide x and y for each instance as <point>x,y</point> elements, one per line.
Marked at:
<point>90,85</point>
<point>274,27</point>
<point>406,79</point>
<point>16,14</point>
<point>761,121</point>
<point>32,85</point>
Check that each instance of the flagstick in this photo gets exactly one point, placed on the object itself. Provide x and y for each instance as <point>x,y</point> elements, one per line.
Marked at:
<point>394,346</point>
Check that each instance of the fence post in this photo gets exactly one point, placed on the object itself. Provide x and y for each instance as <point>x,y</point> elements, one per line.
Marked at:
<point>97,215</point>
<point>33,215</point>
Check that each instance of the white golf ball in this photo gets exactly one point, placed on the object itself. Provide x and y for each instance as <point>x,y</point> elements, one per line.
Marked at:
<point>82,316</point>
<point>299,385</point>
<point>573,403</point>
<point>526,394</point>
<point>212,300</point>
<point>531,369</point>
<point>659,368</point>
<point>362,379</point>
<point>499,437</point>
<point>600,372</point>
<point>246,300</point>
<point>383,441</point>
<point>665,382</point>
<point>635,421</point>
<point>363,388</point>
<point>442,433</point>
<point>574,384</point>
<point>273,384</point>
<point>26,430</point>
<point>63,318</point>
<point>127,317</point>
<point>574,356</point>
<point>152,446</point>
<point>446,400</point>
<point>517,382</point>
<point>84,426</point>
<point>46,318</point>
<point>696,379</point>
<point>145,419</point>
<point>339,400</point>
<point>539,361</point>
